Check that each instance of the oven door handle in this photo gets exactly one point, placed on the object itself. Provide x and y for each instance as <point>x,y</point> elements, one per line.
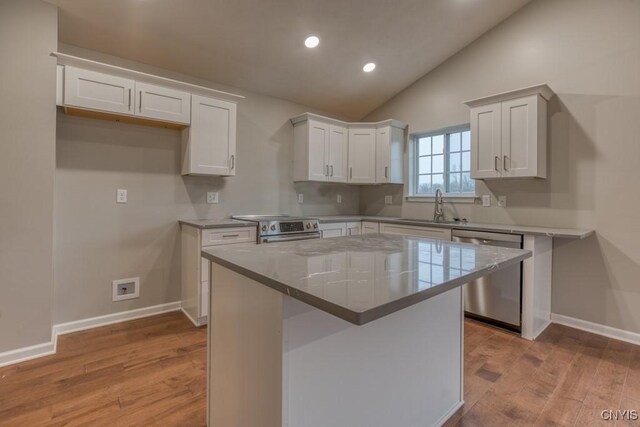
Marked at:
<point>289,239</point>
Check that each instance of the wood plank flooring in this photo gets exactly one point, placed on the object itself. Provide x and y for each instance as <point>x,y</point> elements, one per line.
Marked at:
<point>151,372</point>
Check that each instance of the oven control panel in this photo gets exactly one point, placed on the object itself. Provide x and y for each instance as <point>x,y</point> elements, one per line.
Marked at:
<point>295,226</point>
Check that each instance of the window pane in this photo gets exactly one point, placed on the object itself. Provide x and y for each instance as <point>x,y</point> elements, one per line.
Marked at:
<point>466,161</point>
<point>424,146</point>
<point>454,162</point>
<point>468,185</point>
<point>424,183</point>
<point>454,142</point>
<point>466,140</point>
<point>438,164</point>
<point>438,182</point>
<point>453,184</point>
<point>424,165</point>
<point>438,144</point>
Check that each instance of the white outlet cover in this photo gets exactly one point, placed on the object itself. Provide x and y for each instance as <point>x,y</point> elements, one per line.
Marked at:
<point>121,195</point>
<point>339,198</point>
<point>502,201</point>
<point>486,200</point>
<point>134,281</point>
<point>388,200</point>
<point>212,197</point>
<point>300,198</point>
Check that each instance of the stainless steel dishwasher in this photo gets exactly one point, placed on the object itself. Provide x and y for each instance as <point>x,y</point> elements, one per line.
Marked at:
<point>496,298</point>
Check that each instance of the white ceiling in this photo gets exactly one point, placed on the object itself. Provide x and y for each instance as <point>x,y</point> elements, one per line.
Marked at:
<point>258,44</point>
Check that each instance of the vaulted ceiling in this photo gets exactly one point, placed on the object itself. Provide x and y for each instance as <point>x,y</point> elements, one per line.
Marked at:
<point>258,45</point>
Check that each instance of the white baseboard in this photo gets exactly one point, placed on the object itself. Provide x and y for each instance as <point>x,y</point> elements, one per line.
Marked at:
<point>197,323</point>
<point>45,349</point>
<point>449,413</point>
<point>596,328</point>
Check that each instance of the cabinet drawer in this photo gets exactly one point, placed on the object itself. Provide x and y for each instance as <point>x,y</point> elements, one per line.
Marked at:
<point>353,228</point>
<point>370,227</point>
<point>409,230</point>
<point>225,236</point>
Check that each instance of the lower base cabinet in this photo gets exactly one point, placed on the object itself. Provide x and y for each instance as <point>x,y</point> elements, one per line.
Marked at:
<point>411,230</point>
<point>195,269</point>
<point>337,229</point>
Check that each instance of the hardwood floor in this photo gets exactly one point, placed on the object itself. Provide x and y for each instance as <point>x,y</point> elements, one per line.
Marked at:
<point>151,372</point>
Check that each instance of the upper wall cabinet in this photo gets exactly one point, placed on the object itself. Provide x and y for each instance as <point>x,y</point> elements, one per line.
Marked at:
<point>509,134</point>
<point>209,144</point>
<point>207,116</point>
<point>329,150</point>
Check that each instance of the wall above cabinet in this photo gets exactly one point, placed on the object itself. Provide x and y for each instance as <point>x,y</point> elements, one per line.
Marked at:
<point>331,150</point>
<point>206,116</point>
<point>509,134</point>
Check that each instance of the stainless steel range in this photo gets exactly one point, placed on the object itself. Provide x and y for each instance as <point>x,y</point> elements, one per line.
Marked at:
<point>283,228</point>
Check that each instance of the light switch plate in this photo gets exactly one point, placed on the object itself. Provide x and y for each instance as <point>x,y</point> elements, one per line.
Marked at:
<point>502,201</point>
<point>486,200</point>
<point>212,197</point>
<point>339,198</point>
<point>121,195</point>
<point>388,200</point>
<point>300,198</point>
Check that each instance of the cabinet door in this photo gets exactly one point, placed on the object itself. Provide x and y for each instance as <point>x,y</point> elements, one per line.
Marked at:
<point>520,137</point>
<point>97,91</point>
<point>353,228</point>
<point>486,141</point>
<point>338,153</point>
<point>382,154</point>
<point>318,151</point>
<point>409,230</point>
<point>210,148</point>
<point>370,227</point>
<point>362,155</point>
<point>333,230</point>
<point>161,103</point>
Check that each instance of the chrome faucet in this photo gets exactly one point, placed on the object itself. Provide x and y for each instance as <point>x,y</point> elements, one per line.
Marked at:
<point>438,215</point>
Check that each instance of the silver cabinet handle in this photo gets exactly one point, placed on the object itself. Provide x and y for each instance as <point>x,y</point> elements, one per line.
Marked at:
<point>504,163</point>
<point>140,103</point>
<point>129,98</point>
<point>386,171</point>
<point>350,173</point>
<point>230,235</point>
<point>233,161</point>
<point>326,170</point>
<point>331,170</point>
<point>496,162</point>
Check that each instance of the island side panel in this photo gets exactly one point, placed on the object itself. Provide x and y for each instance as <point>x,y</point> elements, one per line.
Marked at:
<point>404,369</point>
<point>245,352</point>
<point>536,286</point>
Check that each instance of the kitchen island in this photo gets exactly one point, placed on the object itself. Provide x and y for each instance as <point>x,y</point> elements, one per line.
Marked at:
<point>352,331</point>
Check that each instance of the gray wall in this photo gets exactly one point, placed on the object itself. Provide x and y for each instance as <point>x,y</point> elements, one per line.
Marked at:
<point>99,241</point>
<point>28,33</point>
<point>588,51</point>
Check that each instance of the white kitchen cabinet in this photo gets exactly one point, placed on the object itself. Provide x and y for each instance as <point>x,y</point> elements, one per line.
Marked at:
<point>509,134</point>
<point>209,144</point>
<point>389,150</point>
<point>195,269</point>
<point>334,229</point>
<point>98,91</point>
<point>362,155</point>
<point>420,231</point>
<point>370,227</point>
<point>320,151</point>
<point>162,103</point>
<point>354,228</point>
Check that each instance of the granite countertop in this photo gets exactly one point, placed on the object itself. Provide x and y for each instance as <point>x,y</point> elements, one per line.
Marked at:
<point>362,278</point>
<point>500,228</point>
<point>217,223</point>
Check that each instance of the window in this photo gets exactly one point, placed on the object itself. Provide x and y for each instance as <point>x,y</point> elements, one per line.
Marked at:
<point>443,161</point>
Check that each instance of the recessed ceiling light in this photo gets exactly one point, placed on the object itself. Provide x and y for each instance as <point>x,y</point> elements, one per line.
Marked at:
<point>311,42</point>
<point>369,67</point>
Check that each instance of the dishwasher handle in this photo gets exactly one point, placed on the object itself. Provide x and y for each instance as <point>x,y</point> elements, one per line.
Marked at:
<point>487,235</point>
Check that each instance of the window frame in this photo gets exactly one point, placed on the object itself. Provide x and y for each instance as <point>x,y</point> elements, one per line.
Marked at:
<point>412,194</point>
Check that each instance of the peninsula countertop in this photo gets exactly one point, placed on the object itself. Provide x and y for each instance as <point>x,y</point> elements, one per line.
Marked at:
<point>362,278</point>
<point>571,233</point>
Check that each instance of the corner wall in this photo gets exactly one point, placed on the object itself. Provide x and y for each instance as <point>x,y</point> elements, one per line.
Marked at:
<point>588,52</point>
<point>28,34</point>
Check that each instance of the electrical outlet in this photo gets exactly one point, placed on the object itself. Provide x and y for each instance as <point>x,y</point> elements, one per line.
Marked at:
<point>339,198</point>
<point>300,198</point>
<point>388,200</point>
<point>486,200</point>
<point>121,195</point>
<point>502,201</point>
<point>212,197</point>
<point>124,289</point>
